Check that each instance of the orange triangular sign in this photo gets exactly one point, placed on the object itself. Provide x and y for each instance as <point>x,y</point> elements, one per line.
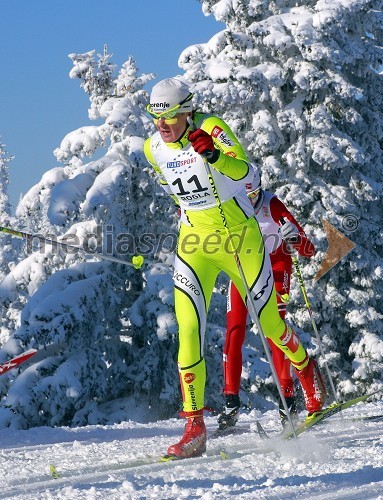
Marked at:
<point>338,247</point>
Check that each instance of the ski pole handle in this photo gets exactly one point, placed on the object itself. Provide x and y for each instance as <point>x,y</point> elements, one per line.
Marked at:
<point>193,128</point>
<point>294,239</point>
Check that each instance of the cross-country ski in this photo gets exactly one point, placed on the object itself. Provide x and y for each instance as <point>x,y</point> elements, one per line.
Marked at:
<point>318,417</point>
<point>124,460</point>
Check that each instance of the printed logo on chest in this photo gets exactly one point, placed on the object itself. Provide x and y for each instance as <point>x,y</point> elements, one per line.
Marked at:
<point>182,163</point>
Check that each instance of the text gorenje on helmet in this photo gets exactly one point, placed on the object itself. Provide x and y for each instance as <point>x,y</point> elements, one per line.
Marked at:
<point>160,105</point>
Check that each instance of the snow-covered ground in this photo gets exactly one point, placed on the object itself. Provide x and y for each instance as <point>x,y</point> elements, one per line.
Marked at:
<point>341,458</point>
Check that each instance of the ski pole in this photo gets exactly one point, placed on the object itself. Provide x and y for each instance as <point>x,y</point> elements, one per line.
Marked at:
<point>311,314</point>
<point>137,260</point>
<point>16,361</point>
<point>252,309</point>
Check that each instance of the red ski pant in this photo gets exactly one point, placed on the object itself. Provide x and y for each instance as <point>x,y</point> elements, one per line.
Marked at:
<point>236,330</point>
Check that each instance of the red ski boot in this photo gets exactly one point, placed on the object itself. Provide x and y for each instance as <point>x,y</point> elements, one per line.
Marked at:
<point>193,442</point>
<point>313,387</point>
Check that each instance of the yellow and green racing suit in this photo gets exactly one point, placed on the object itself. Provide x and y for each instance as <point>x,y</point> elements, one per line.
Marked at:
<point>204,248</point>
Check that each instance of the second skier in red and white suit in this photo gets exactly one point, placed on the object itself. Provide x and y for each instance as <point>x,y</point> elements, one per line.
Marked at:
<point>279,229</point>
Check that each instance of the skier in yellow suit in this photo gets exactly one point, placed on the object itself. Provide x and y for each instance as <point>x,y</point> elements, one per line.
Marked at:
<point>204,249</point>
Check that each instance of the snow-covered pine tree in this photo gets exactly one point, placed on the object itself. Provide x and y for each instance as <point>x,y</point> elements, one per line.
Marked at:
<point>95,333</point>
<point>5,211</point>
<point>96,77</point>
<point>8,250</point>
<point>300,84</point>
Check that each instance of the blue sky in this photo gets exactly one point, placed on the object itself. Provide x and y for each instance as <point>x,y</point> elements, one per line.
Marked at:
<point>39,103</point>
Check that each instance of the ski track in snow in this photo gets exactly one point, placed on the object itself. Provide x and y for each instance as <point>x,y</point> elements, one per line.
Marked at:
<point>341,458</point>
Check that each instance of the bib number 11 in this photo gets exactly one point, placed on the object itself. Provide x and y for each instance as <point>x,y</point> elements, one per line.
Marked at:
<point>193,179</point>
